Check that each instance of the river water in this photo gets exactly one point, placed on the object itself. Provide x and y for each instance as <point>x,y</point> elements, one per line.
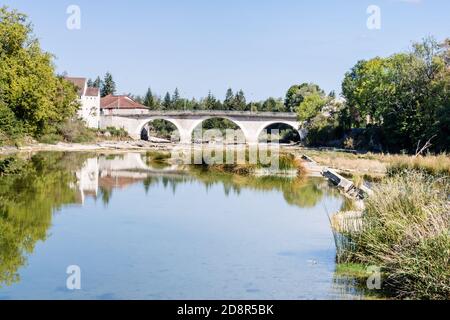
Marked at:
<point>129,229</point>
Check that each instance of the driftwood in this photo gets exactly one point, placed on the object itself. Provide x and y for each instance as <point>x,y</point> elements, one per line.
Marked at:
<point>425,146</point>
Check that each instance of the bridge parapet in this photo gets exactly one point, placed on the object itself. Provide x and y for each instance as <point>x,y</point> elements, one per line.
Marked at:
<point>203,113</point>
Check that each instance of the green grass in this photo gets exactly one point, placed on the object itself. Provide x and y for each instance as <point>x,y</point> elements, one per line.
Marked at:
<point>406,233</point>
<point>355,270</point>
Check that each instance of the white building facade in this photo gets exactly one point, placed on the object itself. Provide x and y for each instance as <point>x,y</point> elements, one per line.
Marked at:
<point>89,99</point>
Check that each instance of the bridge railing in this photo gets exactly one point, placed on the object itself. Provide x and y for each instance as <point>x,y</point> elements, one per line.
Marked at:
<point>216,113</point>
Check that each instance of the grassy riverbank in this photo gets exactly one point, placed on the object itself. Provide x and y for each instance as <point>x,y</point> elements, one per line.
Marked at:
<point>405,231</point>
<point>376,165</point>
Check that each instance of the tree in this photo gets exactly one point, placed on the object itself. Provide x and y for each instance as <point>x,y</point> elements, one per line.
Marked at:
<point>229,100</point>
<point>297,93</point>
<point>273,105</point>
<point>239,102</point>
<point>149,100</point>
<point>97,82</point>
<point>311,106</point>
<point>108,86</point>
<point>406,95</point>
<point>269,105</point>
<point>332,94</point>
<point>90,83</point>
<point>167,102</point>
<point>29,87</point>
<point>177,102</point>
<point>210,102</point>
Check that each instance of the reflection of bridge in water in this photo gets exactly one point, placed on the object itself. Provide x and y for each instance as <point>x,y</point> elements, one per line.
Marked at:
<point>118,171</point>
<point>108,172</point>
<point>251,123</point>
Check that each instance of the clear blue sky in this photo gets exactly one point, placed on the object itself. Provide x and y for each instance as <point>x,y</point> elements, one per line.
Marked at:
<point>261,46</point>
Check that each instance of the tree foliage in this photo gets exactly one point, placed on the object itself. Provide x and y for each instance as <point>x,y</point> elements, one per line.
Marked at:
<point>407,95</point>
<point>297,93</point>
<point>108,86</point>
<point>29,87</point>
<point>311,106</point>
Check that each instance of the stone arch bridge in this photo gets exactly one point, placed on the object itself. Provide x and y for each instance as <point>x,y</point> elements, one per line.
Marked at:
<point>251,123</point>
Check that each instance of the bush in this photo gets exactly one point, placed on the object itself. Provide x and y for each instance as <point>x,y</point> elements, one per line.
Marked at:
<point>75,130</point>
<point>324,131</point>
<point>50,138</point>
<point>406,232</point>
<point>117,133</point>
<point>10,127</point>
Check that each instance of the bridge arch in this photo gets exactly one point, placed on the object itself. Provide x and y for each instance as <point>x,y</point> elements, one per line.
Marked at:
<point>206,118</point>
<point>141,125</point>
<point>293,124</point>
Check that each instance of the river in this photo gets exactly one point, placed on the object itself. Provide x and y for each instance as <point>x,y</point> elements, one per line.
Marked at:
<point>133,230</point>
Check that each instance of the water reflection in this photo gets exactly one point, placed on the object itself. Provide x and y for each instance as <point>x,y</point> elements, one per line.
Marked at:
<point>104,173</point>
<point>47,182</point>
<point>27,201</point>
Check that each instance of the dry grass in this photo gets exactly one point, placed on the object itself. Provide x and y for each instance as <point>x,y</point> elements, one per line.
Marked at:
<point>438,165</point>
<point>405,231</point>
<point>376,165</point>
<point>348,162</point>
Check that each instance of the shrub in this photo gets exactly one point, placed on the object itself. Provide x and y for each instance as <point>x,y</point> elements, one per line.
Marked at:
<point>117,133</point>
<point>75,130</point>
<point>50,138</point>
<point>406,232</point>
<point>10,127</point>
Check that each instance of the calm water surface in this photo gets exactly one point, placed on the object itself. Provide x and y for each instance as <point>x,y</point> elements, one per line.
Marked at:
<point>143,231</point>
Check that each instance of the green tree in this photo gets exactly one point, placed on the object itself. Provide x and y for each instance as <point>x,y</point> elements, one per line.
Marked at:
<point>98,83</point>
<point>239,102</point>
<point>29,86</point>
<point>406,95</point>
<point>210,102</point>
<point>108,85</point>
<point>229,100</point>
<point>273,105</point>
<point>177,102</point>
<point>297,93</point>
<point>149,100</point>
<point>311,106</point>
<point>167,102</point>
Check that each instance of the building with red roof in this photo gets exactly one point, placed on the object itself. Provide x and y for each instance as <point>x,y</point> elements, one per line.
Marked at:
<point>119,102</point>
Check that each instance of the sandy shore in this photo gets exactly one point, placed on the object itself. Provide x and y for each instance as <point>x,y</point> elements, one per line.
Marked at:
<point>97,146</point>
<point>113,146</point>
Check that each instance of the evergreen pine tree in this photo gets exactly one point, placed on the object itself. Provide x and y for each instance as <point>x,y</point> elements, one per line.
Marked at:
<point>229,98</point>
<point>239,101</point>
<point>149,101</point>
<point>109,86</point>
<point>210,101</point>
<point>167,102</point>
<point>90,83</point>
<point>177,104</point>
<point>97,83</point>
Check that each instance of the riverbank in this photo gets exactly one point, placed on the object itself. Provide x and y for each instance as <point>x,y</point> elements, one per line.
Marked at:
<point>402,231</point>
<point>129,145</point>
